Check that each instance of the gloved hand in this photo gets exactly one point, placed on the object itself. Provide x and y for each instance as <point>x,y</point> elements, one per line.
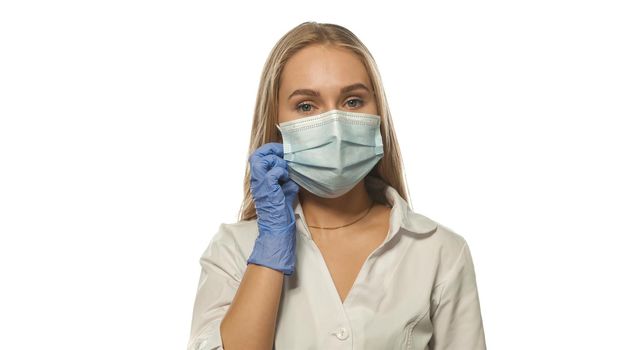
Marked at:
<point>273,192</point>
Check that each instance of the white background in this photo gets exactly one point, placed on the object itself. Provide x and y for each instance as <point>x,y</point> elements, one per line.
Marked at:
<point>124,127</point>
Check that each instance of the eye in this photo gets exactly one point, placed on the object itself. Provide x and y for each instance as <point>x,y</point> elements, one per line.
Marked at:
<point>354,100</point>
<point>304,104</point>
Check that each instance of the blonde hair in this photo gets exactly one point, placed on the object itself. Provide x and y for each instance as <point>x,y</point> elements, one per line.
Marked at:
<point>389,169</point>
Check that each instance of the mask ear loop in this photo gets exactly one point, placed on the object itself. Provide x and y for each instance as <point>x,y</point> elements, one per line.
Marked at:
<point>291,209</point>
<point>280,133</point>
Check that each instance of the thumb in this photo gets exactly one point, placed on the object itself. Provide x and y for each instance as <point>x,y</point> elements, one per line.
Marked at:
<point>290,190</point>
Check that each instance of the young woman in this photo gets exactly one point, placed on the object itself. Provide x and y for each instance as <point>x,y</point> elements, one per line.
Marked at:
<point>328,253</point>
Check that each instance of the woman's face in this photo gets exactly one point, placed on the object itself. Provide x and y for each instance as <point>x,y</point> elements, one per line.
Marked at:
<point>319,78</point>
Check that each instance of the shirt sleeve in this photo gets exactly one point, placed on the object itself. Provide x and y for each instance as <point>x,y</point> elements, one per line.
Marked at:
<point>220,277</point>
<point>457,321</point>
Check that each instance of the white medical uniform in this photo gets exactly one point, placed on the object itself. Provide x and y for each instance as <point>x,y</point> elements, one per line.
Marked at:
<point>417,290</point>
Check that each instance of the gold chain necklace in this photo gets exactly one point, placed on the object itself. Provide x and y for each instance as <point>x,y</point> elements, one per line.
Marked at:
<point>353,222</point>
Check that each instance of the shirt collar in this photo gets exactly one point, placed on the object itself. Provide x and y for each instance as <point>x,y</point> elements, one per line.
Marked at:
<point>402,216</point>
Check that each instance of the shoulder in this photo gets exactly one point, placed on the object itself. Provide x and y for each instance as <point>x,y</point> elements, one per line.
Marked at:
<point>430,230</point>
<point>232,240</point>
<point>440,244</point>
<point>241,232</point>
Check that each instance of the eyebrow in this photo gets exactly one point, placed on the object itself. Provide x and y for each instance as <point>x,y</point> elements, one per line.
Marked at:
<point>315,93</point>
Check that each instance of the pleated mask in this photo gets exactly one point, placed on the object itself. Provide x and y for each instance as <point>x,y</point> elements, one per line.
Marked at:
<point>329,153</point>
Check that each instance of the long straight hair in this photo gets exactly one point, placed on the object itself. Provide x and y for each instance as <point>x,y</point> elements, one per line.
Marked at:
<point>389,169</point>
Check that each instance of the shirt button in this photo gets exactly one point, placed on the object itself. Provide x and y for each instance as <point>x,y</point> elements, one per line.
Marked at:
<point>341,333</point>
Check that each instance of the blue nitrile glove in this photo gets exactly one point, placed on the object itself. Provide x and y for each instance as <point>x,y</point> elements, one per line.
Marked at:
<point>273,192</point>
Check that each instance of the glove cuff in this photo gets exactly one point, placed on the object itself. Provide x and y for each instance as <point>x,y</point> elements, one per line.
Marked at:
<point>276,250</point>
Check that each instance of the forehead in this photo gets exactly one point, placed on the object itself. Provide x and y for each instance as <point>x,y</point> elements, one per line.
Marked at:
<point>322,67</point>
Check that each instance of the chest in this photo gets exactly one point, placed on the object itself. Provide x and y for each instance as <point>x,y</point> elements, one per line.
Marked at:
<point>384,300</point>
<point>344,262</point>
<point>345,255</point>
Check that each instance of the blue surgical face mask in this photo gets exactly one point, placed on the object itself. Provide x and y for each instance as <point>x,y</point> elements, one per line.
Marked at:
<point>329,153</point>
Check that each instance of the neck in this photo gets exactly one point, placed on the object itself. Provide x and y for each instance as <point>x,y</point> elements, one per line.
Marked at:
<point>330,212</point>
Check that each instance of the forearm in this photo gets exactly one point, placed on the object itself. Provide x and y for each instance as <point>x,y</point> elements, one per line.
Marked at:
<point>251,318</point>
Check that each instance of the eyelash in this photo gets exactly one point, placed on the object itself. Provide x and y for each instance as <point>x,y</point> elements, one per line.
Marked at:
<point>306,103</point>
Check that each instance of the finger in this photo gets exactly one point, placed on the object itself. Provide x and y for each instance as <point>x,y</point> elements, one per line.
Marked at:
<point>268,148</point>
<point>275,175</point>
<point>272,160</point>
<point>260,166</point>
<point>290,188</point>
